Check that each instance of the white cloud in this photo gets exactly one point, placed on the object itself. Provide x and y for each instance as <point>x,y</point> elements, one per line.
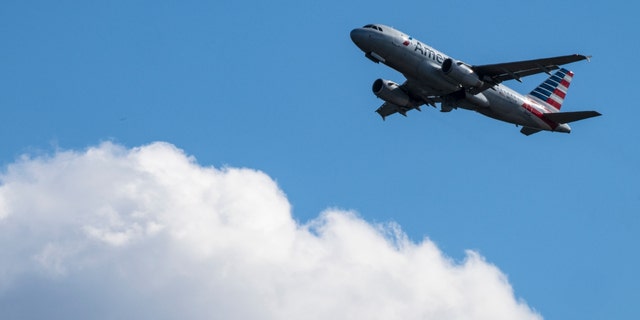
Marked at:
<point>147,232</point>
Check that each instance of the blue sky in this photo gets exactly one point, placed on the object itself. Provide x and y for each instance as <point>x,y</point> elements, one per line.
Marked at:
<point>279,87</point>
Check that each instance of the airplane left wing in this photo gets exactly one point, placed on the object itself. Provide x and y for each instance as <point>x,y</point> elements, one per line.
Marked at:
<point>389,108</point>
<point>500,72</point>
<point>417,96</point>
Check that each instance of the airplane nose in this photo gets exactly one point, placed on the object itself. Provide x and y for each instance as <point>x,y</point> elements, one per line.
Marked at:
<point>358,36</point>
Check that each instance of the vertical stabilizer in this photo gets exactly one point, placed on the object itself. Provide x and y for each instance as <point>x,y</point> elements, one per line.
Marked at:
<point>554,90</point>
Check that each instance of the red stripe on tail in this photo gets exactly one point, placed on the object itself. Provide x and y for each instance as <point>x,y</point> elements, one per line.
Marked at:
<point>559,93</point>
<point>554,103</point>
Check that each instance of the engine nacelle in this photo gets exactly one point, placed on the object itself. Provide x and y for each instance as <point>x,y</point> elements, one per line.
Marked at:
<point>391,92</point>
<point>461,73</point>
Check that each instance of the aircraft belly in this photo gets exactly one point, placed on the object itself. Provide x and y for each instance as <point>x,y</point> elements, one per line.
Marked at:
<point>431,73</point>
<point>404,62</point>
<point>507,110</point>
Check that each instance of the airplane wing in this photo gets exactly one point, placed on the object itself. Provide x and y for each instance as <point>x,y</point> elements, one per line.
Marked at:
<point>388,109</point>
<point>418,94</point>
<point>515,70</point>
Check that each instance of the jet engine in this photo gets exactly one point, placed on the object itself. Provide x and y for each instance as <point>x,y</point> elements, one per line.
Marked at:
<point>461,73</point>
<point>391,92</point>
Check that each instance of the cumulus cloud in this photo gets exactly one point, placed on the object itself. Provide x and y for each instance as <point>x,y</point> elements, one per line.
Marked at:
<point>112,232</point>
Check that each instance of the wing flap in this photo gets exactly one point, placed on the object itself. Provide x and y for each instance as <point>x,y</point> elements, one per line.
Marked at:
<point>566,117</point>
<point>515,70</point>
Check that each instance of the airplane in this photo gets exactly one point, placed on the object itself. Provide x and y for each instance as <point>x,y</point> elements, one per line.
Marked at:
<point>433,77</point>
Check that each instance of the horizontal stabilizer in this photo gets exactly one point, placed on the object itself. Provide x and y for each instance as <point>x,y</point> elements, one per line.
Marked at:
<point>529,131</point>
<point>566,117</point>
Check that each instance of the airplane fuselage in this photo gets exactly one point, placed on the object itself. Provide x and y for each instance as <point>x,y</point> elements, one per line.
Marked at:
<point>423,64</point>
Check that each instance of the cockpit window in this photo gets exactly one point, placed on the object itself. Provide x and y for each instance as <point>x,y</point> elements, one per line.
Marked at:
<point>373,26</point>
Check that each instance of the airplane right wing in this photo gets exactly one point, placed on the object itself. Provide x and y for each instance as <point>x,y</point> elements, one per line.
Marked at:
<point>500,72</point>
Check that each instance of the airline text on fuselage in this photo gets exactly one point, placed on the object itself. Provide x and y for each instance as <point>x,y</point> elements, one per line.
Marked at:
<point>428,52</point>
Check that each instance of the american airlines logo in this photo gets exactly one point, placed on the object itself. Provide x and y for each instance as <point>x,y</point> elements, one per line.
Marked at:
<point>429,53</point>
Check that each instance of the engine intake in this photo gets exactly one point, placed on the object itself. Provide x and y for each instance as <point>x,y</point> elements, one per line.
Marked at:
<point>461,73</point>
<point>391,92</point>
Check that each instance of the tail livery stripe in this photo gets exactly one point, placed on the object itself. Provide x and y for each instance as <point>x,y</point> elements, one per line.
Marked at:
<point>554,103</point>
<point>560,93</point>
<point>554,90</point>
<point>540,115</point>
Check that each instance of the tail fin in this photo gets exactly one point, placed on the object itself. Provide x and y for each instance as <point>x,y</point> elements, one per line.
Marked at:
<point>554,90</point>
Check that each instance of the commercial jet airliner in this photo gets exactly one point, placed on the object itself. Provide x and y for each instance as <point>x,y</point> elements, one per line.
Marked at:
<point>433,77</point>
